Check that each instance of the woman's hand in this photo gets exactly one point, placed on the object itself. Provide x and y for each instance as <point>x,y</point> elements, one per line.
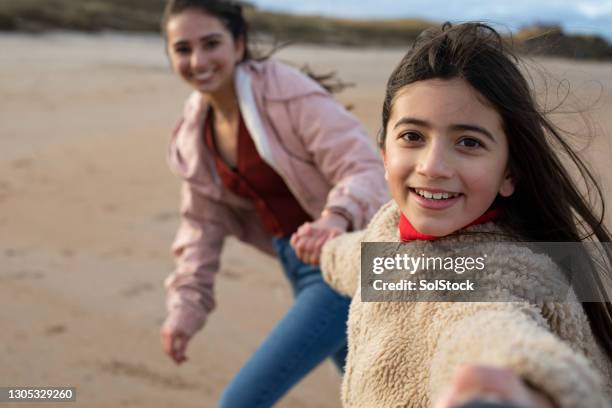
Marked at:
<point>309,239</point>
<point>174,343</point>
<point>482,383</point>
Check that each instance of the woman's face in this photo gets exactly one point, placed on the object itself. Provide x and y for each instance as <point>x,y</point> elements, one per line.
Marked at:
<point>202,50</point>
<point>445,155</point>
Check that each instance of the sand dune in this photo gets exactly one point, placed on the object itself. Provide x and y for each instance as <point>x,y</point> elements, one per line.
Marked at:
<point>88,210</point>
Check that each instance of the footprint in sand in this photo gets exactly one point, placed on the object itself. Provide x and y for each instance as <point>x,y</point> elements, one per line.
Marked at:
<point>165,216</point>
<point>55,330</point>
<point>11,252</point>
<point>91,169</point>
<point>22,275</point>
<point>110,208</point>
<point>142,372</point>
<point>117,252</point>
<point>67,252</point>
<point>5,189</point>
<point>137,289</point>
<point>21,163</point>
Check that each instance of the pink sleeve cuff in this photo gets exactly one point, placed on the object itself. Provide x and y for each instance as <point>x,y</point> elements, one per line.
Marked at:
<point>186,319</point>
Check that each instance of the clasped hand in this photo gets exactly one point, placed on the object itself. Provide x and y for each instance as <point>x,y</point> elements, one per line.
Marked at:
<point>309,238</point>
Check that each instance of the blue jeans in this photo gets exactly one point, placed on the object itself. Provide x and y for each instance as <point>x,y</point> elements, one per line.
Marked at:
<point>312,330</point>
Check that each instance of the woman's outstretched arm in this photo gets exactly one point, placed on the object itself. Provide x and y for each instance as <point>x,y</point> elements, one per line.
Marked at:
<point>197,250</point>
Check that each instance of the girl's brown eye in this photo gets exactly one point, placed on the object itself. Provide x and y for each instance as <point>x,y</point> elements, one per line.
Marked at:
<point>411,136</point>
<point>470,143</point>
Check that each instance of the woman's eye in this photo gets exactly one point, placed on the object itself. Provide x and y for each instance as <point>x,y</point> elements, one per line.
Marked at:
<point>182,50</point>
<point>470,142</point>
<point>211,44</point>
<point>411,137</point>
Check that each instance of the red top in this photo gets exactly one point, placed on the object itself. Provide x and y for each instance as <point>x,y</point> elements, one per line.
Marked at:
<point>409,233</point>
<point>254,179</point>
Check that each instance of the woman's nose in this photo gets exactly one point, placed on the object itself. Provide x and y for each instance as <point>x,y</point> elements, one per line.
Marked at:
<point>434,162</point>
<point>198,59</point>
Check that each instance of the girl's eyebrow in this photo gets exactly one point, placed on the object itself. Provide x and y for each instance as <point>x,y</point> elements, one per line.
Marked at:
<point>474,128</point>
<point>460,126</point>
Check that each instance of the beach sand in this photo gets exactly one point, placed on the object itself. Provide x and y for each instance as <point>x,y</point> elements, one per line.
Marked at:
<point>88,209</point>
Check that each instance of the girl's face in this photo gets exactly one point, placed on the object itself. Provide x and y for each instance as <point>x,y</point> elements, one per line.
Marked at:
<point>445,155</point>
<point>202,50</point>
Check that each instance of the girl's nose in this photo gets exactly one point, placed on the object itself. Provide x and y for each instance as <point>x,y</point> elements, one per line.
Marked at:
<point>434,162</point>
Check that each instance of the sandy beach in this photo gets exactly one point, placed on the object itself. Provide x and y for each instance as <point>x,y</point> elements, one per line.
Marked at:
<point>88,209</point>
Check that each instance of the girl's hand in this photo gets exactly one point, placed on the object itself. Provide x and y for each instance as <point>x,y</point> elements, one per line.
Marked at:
<point>481,383</point>
<point>309,239</point>
<point>174,343</point>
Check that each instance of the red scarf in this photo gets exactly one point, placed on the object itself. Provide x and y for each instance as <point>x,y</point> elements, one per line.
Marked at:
<point>409,233</point>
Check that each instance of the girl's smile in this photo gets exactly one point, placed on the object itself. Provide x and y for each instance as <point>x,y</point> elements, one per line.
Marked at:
<point>445,154</point>
<point>434,199</point>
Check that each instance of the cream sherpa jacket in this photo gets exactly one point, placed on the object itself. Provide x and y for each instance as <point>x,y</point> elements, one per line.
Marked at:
<point>404,354</point>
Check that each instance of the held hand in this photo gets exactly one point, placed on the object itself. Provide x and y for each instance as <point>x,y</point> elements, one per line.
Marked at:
<point>174,344</point>
<point>309,239</point>
<point>491,384</point>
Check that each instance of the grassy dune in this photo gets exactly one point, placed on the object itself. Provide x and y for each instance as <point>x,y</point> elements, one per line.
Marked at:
<point>82,15</point>
<point>144,16</point>
<point>315,29</point>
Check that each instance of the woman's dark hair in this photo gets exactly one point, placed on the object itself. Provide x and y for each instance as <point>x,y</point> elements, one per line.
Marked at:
<point>547,205</point>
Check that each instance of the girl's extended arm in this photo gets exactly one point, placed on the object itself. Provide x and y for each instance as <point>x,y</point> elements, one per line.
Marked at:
<point>473,385</point>
<point>514,336</point>
<point>339,265</point>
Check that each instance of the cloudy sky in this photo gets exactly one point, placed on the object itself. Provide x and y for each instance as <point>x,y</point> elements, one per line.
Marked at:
<point>578,16</point>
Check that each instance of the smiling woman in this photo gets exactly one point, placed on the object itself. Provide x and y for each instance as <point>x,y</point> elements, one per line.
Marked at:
<point>268,156</point>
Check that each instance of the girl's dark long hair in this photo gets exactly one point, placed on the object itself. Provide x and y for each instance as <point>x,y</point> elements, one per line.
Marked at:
<point>547,204</point>
<point>231,15</point>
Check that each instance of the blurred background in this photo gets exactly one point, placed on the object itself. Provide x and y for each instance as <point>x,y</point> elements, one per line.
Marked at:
<point>570,28</point>
<point>88,208</point>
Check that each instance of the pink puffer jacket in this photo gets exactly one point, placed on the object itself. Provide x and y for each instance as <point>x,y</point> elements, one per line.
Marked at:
<point>318,148</point>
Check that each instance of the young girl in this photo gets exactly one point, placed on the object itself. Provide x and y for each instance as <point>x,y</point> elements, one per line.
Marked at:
<point>468,159</point>
<point>268,156</point>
